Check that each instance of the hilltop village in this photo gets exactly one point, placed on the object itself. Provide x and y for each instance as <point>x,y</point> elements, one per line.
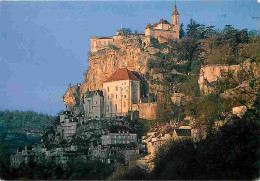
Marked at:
<point>103,116</point>
<point>124,84</point>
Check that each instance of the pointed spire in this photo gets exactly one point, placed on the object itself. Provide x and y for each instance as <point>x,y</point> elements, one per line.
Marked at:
<point>175,11</point>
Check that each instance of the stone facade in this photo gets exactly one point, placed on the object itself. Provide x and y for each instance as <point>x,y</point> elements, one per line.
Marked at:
<point>119,138</point>
<point>121,90</point>
<point>99,43</point>
<point>93,104</point>
<point>68,124</point>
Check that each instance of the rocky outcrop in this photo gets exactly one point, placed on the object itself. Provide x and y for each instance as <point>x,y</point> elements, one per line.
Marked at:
<point>211,73</point>
<point>131,52</point>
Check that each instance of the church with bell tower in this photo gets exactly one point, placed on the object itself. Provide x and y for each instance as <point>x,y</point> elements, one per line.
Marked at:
<point>163,30</point>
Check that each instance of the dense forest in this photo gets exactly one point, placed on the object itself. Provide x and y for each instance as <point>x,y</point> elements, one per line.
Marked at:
<point>24,121</point>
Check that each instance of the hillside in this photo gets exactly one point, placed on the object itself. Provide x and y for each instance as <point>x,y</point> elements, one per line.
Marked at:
<point>24,121</point>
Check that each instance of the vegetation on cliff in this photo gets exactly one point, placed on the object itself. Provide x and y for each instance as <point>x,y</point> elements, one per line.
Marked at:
<point>230,153</point>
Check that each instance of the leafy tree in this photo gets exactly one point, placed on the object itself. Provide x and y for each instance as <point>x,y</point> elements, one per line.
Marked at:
<point>198,31</point>
<point>127,31</point>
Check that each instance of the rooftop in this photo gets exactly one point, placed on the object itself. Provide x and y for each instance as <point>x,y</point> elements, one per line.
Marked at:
<point>122,74</point>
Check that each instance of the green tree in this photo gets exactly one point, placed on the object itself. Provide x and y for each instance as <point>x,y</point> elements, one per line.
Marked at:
<point>182,32</point>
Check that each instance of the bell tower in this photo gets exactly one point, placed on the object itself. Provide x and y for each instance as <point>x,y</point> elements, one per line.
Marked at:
<point>175,16</point>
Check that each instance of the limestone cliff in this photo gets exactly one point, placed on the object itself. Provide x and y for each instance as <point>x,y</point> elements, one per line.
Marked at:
<point>243,73</point>
<point>211,73</point>
<point>131,52</point>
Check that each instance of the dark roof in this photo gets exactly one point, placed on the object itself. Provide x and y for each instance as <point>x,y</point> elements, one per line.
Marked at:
<point>122,74</point>
<point>99,92</point>
<point>183,132</point>
<point>91,93</point>
<point>162,21</point>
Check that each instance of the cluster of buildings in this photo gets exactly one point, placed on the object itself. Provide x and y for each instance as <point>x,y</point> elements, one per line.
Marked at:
<point>76,136</point>
<point>158,135</point>
<point>41,153</point>
<point>162,30</point>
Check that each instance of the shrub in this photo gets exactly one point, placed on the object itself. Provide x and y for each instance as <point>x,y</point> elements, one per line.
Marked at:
<point>113,47</point>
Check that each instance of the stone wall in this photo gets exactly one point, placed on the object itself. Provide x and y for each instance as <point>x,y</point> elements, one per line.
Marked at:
<point>147,110</point>
<point>169,34</point>
<point>99,43</point>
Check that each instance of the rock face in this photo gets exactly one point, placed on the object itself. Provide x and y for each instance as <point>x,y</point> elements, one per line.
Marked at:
<point>211,73</point>
<point>148,110</point>
<point>131,52</point>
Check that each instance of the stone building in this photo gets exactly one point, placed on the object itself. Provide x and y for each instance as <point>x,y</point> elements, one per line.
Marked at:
<point>17,159</point>
<point>121,91</point>
<point>163,30</point>
<point>93,104</point>
<point>102,42</point>
<point>119,138</point>
<point>68,128</point>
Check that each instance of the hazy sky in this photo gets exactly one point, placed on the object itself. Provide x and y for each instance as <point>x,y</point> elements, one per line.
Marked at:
<point>44,45</point>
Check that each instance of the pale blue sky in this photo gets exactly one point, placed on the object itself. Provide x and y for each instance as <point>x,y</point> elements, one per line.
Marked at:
<point>44,45</point>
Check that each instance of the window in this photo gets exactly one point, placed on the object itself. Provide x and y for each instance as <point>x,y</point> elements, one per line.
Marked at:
<point>116,96</point>
<point>116,88</point>
<point>124,104</point>
<point>96,102</point>
<point>116,107</point>
<point>107,107</point>
<point>124,96</point>
<point>107,89</point>
<point>108,97</point>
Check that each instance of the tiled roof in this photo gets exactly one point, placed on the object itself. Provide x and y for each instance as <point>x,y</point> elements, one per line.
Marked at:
<point>148,26</point>
<point>162,21</point>
<point>122,74</point>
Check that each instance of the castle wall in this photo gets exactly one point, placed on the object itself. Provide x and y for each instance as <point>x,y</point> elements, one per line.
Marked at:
<point>147,110</point>
<point>99,43</point>
<point>164,33</point>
